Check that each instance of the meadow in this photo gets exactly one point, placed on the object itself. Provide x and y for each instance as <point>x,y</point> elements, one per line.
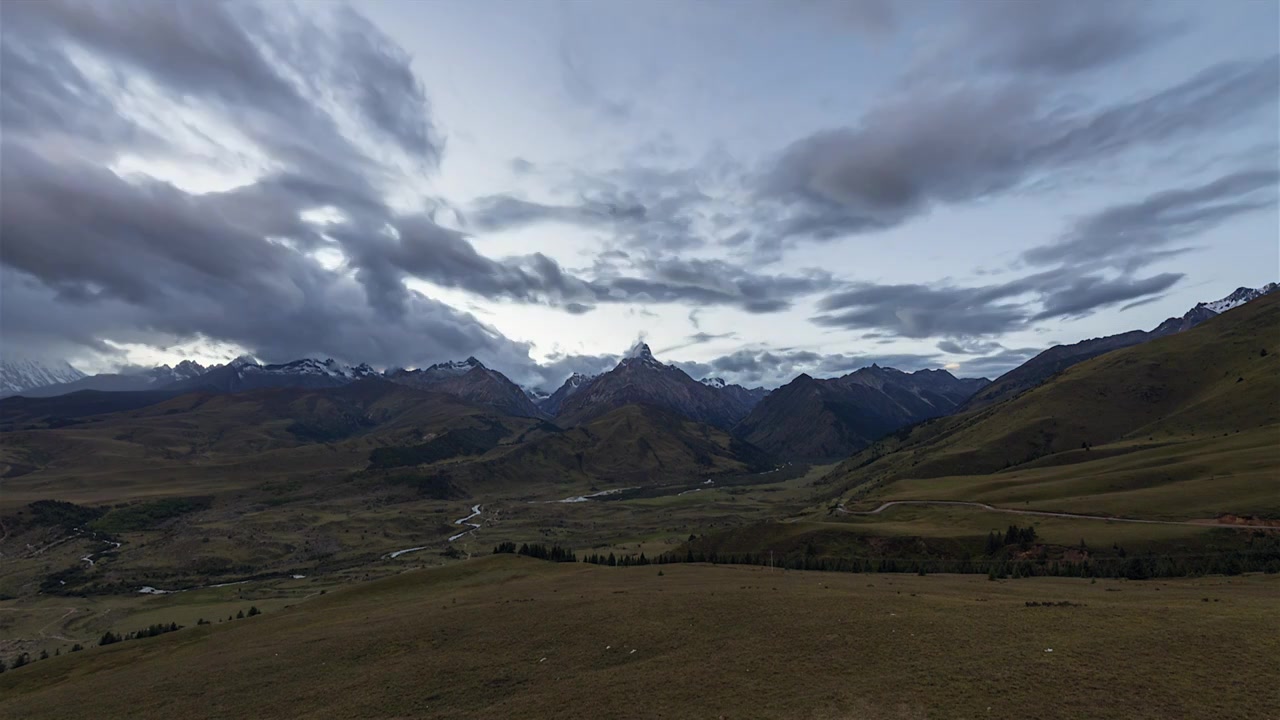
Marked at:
<point>516,637</point>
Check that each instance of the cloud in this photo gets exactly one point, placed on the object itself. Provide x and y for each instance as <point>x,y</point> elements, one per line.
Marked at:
<point>698,338</point>
<point>961,143</point>
<point>558,367</point>
<point>996,364</point>
<point>758,366</point>
<point>950,312</point>
<point>583,88</point>
<point>1141,230</point>
<point>968,347</point>
<point>1083,295</point>
<point>1059,39</point>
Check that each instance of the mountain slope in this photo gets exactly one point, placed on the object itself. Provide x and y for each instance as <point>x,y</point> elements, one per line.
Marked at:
<point>471,381</point>
<point>1060,357</point>
<point>20,374</point>
<point>630,445</point>
<point>813,419</point>
<point>150,379</point>
<point>552,404</point>
<point>640,379</point>
<point>1221,377</point>
<point>246,373</point>
<point>743,399</point>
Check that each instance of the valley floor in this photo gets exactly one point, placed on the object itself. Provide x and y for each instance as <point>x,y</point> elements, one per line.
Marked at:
<point>505,636</point>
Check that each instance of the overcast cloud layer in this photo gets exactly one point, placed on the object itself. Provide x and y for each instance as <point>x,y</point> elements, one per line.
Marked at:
<point>388,183</point>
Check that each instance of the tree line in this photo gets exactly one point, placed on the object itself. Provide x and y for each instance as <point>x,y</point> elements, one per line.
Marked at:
<point>555,553</point>
<point>1011,554</point>
<point>111,638</point>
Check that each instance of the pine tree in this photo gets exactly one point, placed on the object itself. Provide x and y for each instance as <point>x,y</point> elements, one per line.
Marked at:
<point>253,610</point>
<point>77,647</point>
<point>19,661</point>
<point>240,615</point>
<point>44,654</point>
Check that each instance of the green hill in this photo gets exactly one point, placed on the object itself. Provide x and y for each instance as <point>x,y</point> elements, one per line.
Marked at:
<point>1148,413</point>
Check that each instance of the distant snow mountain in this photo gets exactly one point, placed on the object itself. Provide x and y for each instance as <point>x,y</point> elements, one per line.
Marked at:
<point>639,378</point>
<point>717,383</point>
<point>555,401</point>
<point>137,379</point>
<point>246,373</point>
<point>21,374</point>
<point>1238,298</point>
<point>470,380</point>
<point>1060,357</point>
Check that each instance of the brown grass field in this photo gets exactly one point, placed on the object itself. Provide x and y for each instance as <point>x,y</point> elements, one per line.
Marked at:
<point>522,638</point>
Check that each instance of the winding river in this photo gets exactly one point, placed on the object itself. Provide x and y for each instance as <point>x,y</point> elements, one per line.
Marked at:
<point>472,527</point>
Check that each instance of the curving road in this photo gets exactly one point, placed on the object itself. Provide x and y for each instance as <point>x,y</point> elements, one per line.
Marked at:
<point>1045,513</point>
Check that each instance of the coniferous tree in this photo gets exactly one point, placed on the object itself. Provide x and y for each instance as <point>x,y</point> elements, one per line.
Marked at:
<point>44,654</point>
<point>240,615</point>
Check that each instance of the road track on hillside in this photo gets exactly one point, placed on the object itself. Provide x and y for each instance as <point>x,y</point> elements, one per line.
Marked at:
<point>1045,513</point>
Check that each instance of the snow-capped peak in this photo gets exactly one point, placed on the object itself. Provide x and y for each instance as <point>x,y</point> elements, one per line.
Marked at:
<point>21,373</point>
<point>245,361</point>
<point>1239,297</point>
<point>714,382</point>
<point>640,354</point>
<point>640,350</point>
<point>456,366</point>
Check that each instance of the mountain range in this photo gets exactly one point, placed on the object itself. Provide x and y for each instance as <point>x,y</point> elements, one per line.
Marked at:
<point>640,378</point>
<point>814,419</point>
<point>807,419</point>
<point>1060,357</point>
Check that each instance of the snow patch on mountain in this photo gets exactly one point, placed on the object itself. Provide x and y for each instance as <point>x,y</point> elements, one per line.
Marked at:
<point>1239,297</point>
<point>455,367</point>
<point>714,382</point>
<point>640,356</point>
<point>246,365</point>
<point>23,373</point>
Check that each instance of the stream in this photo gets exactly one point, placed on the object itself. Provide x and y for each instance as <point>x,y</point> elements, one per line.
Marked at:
<point>475,510</point>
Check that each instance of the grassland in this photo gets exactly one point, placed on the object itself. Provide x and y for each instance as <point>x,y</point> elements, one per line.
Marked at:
<point>515,637</point>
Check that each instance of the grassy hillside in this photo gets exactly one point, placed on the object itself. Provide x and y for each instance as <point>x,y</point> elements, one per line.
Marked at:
<point>1188,408</point>
<point>514,637</point>
<point>631,445</point>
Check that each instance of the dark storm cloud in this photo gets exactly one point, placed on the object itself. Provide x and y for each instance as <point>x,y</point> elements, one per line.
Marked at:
<point>558,367</point>
<point>324,98</point>
<point>967,142</point>
<point>1143,229</point>
<point>144,262</point>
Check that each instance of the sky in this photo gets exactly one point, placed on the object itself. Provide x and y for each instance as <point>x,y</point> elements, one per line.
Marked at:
<point>756,188</point>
